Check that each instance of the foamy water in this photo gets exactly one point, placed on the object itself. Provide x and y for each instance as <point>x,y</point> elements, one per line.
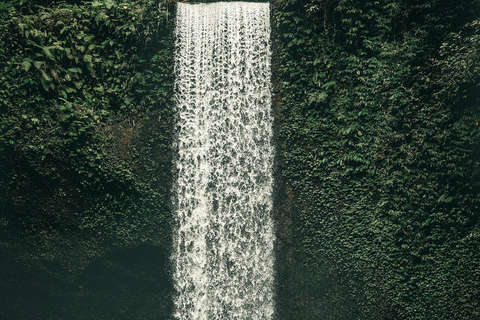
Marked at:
<point>223,243</point>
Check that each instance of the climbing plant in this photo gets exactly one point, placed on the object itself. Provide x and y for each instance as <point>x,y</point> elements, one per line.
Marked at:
<point>81,85</point>
<point>377,106</point>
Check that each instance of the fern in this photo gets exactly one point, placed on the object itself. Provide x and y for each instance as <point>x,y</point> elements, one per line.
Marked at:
<point>26,65</point>
<point>48,53</point>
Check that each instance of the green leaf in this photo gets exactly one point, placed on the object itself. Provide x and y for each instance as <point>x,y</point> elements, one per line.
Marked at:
<point>38,64</point>
<point>75,70</point>
<point>45,75</point>
<point>26,65</point>
<point>48,53</point>
<point>328,84</point>
<point>109,4</point>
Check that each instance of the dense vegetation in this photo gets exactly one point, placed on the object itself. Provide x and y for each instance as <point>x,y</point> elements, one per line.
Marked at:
<point>377,104</point>
<point>85,125</point>
<point>378,108</point>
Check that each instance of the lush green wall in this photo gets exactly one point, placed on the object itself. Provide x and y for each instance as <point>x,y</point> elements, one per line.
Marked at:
<point>85,161</point>
<point>377,119</point>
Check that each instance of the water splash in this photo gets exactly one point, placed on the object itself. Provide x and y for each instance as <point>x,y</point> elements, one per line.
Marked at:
<point>223,242</point>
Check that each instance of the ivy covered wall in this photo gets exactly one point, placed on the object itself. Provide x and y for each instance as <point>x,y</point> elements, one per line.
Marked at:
<point>378,111</point>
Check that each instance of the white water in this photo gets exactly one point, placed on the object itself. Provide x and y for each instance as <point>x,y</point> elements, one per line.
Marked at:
<point>223,243</point>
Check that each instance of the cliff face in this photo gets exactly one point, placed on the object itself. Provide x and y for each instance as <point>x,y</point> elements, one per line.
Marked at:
<point>377,209</point>
<point>377,110</point>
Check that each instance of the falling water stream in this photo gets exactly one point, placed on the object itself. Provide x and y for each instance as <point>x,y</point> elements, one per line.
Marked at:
<point>223,242</point>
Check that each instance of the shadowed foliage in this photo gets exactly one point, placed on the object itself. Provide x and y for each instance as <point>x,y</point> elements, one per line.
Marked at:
<point>85,127</point>
<point>377,114</point>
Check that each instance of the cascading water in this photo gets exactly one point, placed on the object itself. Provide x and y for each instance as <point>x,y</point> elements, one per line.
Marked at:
<point>223,243</point>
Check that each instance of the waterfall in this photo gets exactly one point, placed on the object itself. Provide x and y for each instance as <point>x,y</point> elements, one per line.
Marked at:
<point>223,240</point>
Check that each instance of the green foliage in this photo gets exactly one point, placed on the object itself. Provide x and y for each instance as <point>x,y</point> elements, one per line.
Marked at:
<point>80,85</point>
<point>378,139</point>
<point>378,109</point>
